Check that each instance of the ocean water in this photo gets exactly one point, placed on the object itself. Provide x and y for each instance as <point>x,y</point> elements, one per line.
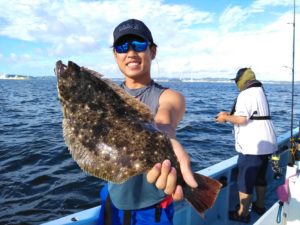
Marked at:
<point>39,181</point>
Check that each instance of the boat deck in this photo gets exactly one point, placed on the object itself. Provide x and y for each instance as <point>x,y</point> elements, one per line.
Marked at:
<point>227,199</point>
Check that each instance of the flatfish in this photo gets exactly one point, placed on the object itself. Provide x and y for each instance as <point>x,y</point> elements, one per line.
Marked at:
<point>112,135</point>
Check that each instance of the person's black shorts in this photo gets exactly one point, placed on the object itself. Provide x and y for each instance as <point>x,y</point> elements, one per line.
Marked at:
<point>251,172</point>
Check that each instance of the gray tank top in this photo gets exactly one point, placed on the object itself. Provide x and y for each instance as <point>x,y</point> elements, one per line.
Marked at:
<point>137,193</point>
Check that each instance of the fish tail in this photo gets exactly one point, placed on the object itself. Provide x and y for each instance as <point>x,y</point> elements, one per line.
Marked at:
<point>204,196</point>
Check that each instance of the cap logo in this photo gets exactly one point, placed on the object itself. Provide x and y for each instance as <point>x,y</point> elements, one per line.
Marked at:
<point>128,26</point>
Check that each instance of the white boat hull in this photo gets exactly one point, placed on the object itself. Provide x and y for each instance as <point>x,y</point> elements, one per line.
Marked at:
<point>289,214</point>
<point>227,199</point>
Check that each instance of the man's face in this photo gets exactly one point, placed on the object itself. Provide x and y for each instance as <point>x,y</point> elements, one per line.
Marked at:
<point>134,63</point>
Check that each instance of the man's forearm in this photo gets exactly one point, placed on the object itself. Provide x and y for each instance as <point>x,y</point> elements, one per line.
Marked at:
<point>240,120</point>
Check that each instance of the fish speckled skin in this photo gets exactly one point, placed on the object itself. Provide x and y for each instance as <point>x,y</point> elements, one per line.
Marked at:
<point>112,136</point>
<point>109,133</point>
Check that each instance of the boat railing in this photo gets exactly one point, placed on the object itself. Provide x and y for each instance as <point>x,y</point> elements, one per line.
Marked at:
<point>225,171</point>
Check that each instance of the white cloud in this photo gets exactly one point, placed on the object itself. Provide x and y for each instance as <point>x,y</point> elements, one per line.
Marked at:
<point>12,57</point>
<point>190,41</point>
<point>55,21</point>
<point>232,16</point>
<point>15,58</point>
<point>267,50</point>
<point>25,57</point>
<point>259,4</point>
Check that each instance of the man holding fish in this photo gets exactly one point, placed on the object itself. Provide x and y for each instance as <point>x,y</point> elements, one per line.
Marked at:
<point>134,49</point>
<point>126,135</point>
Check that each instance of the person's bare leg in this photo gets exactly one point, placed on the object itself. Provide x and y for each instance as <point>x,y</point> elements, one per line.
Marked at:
<point>245,201</point>
<point>260,196</point>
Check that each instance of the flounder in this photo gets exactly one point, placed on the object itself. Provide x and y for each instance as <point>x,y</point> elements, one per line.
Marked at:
<point>112,135</point>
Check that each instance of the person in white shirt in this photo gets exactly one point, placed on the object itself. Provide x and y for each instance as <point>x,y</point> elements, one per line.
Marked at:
<point>255,141</point>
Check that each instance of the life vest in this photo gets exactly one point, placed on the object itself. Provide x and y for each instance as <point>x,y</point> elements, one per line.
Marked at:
<point>110,215</point>
<point>250,84</point>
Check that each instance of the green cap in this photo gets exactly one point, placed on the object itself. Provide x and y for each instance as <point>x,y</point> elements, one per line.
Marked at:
<point>243,76</point>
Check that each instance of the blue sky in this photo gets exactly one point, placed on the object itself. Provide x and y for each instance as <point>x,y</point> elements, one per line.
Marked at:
<point>197,38</point>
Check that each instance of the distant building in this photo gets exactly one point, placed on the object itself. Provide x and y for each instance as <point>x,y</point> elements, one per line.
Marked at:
<point>12,77</point>
<point>2,76</point>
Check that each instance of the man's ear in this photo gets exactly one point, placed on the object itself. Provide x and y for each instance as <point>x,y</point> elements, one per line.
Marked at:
<point>153,52</point>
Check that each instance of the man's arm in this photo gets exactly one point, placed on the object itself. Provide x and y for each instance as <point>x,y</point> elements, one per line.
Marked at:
<point>223,117</point>
<point>170,112</point>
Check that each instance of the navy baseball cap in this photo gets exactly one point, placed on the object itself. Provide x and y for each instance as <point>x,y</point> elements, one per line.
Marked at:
<point>132,27</point>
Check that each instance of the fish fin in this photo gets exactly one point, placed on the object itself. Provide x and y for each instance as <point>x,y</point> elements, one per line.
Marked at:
<point>204,196</point>
<point>143,110</point>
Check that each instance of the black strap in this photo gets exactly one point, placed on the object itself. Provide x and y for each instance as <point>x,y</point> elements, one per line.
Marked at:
<point>233,107</point>
<point>107,211</point>
<point>260,117</point>
<point>253,117</point>
<point>108,214</point>
<point>157,213</point>
<point>127,217</point>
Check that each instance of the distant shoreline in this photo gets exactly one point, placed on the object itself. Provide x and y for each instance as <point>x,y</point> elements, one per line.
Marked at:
<point>162,79</point>
<point>15,78</point>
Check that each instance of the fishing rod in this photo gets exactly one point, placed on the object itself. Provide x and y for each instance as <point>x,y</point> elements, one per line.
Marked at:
<point>282,191</point>
<point>292,139</point>
<point>293,68</point>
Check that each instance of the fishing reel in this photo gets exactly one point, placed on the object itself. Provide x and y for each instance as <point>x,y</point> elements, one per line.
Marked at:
<point>297,152</point>
<point>297,155</point>
<point>275,166</point>
<point>294,152</point>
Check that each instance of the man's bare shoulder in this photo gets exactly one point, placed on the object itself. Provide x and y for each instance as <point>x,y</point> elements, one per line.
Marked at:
<point>171,95</point>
